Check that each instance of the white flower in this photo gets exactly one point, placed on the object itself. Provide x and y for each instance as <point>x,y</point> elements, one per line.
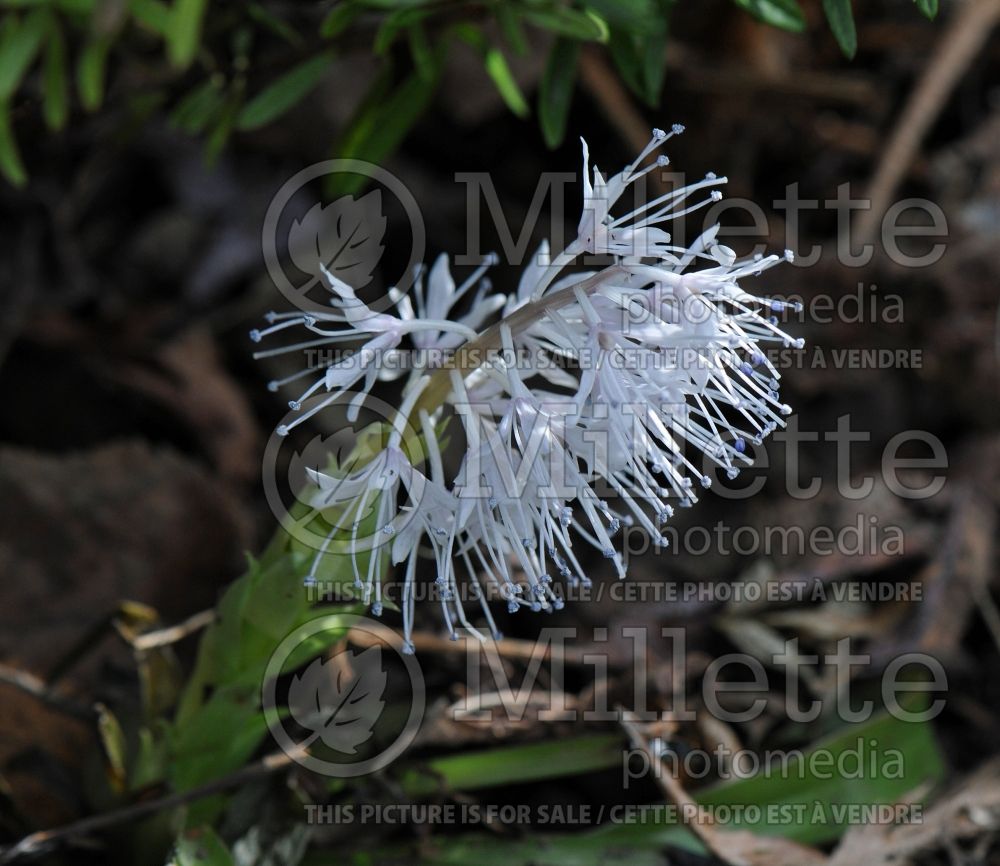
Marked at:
<point>583,409</point>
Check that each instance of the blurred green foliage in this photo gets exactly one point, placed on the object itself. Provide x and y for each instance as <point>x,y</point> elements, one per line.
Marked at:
<point>226,67</point>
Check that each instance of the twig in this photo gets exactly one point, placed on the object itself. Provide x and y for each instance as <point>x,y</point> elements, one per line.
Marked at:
<point>36,841</point>
<point>465,710</point>
<point>511,648</point>
<point>35,686</point>
<point>701,822</point>
<point>705,74</point>
<point>966,34</point>
<point>172,634</point>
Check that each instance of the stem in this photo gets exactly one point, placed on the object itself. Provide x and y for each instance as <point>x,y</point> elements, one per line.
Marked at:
<point>469,357</point>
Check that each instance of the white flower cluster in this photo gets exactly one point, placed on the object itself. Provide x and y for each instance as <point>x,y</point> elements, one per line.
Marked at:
<point>585,407</point>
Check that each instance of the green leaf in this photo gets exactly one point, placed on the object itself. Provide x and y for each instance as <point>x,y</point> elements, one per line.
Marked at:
<point>625,56</point>
<point>225,122</point>
<point>508,765</point>
<point>150,756</point>
<point>398,22</point>
<point>55,80</point>
<point>276,603</point>
<point>253,615</point>
<point>185,31</point>
<point>841,18</point>
<point>218,739</point>
<point>381,124</point>
<point>653,54</point>
<point>112,738</point>
<point>20,40</point>
<point>785,14</point>
<point>928,7</point>
<point>154,15</point>
<point>508,17</point>
<point>90,72</point>
<point>638,15</point>
<point>10,156</point>
<point>338,19</point>
<point>564,21</point>
<point>556,91</point>
<point>201,846</point>
<point>496,67</point>
<point>284,93</point>
<point>420,48</point>
<point>911,747</point>
<point>499,71</point>
<point>641,59</point>
<point>277,25</point>
<point>197,109</point>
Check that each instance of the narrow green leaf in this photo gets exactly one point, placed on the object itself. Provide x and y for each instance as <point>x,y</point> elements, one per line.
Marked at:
<point>420,48</point>
<point>20,40</point>
<point>637,15</point>
<point>556,91</point>
<point>625,56</point>
<point>150,757</point>
<point>928,7</point>
<point>90,72</point>
<point>653,57</point>
<point>338,19</point>
<point>640,58</point>
<point>509,765</point>
<point>55,80</point>
<point>381,124</point>
<point>841,18</point>
<point>112,737</point>
<point>284,93</point>
<point>154,15</point>
<point>185,31</point>
<point>509,18</point>
<point>496,67</point>
<point>900,757</point>
<point>563,21</point>
<point>397,23</point>
<point>196,110</point>
<point>786,14</point>
<point>499,71</point>
<point>277,25</point>
<point>224,125</point>
<point>10,156</point>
